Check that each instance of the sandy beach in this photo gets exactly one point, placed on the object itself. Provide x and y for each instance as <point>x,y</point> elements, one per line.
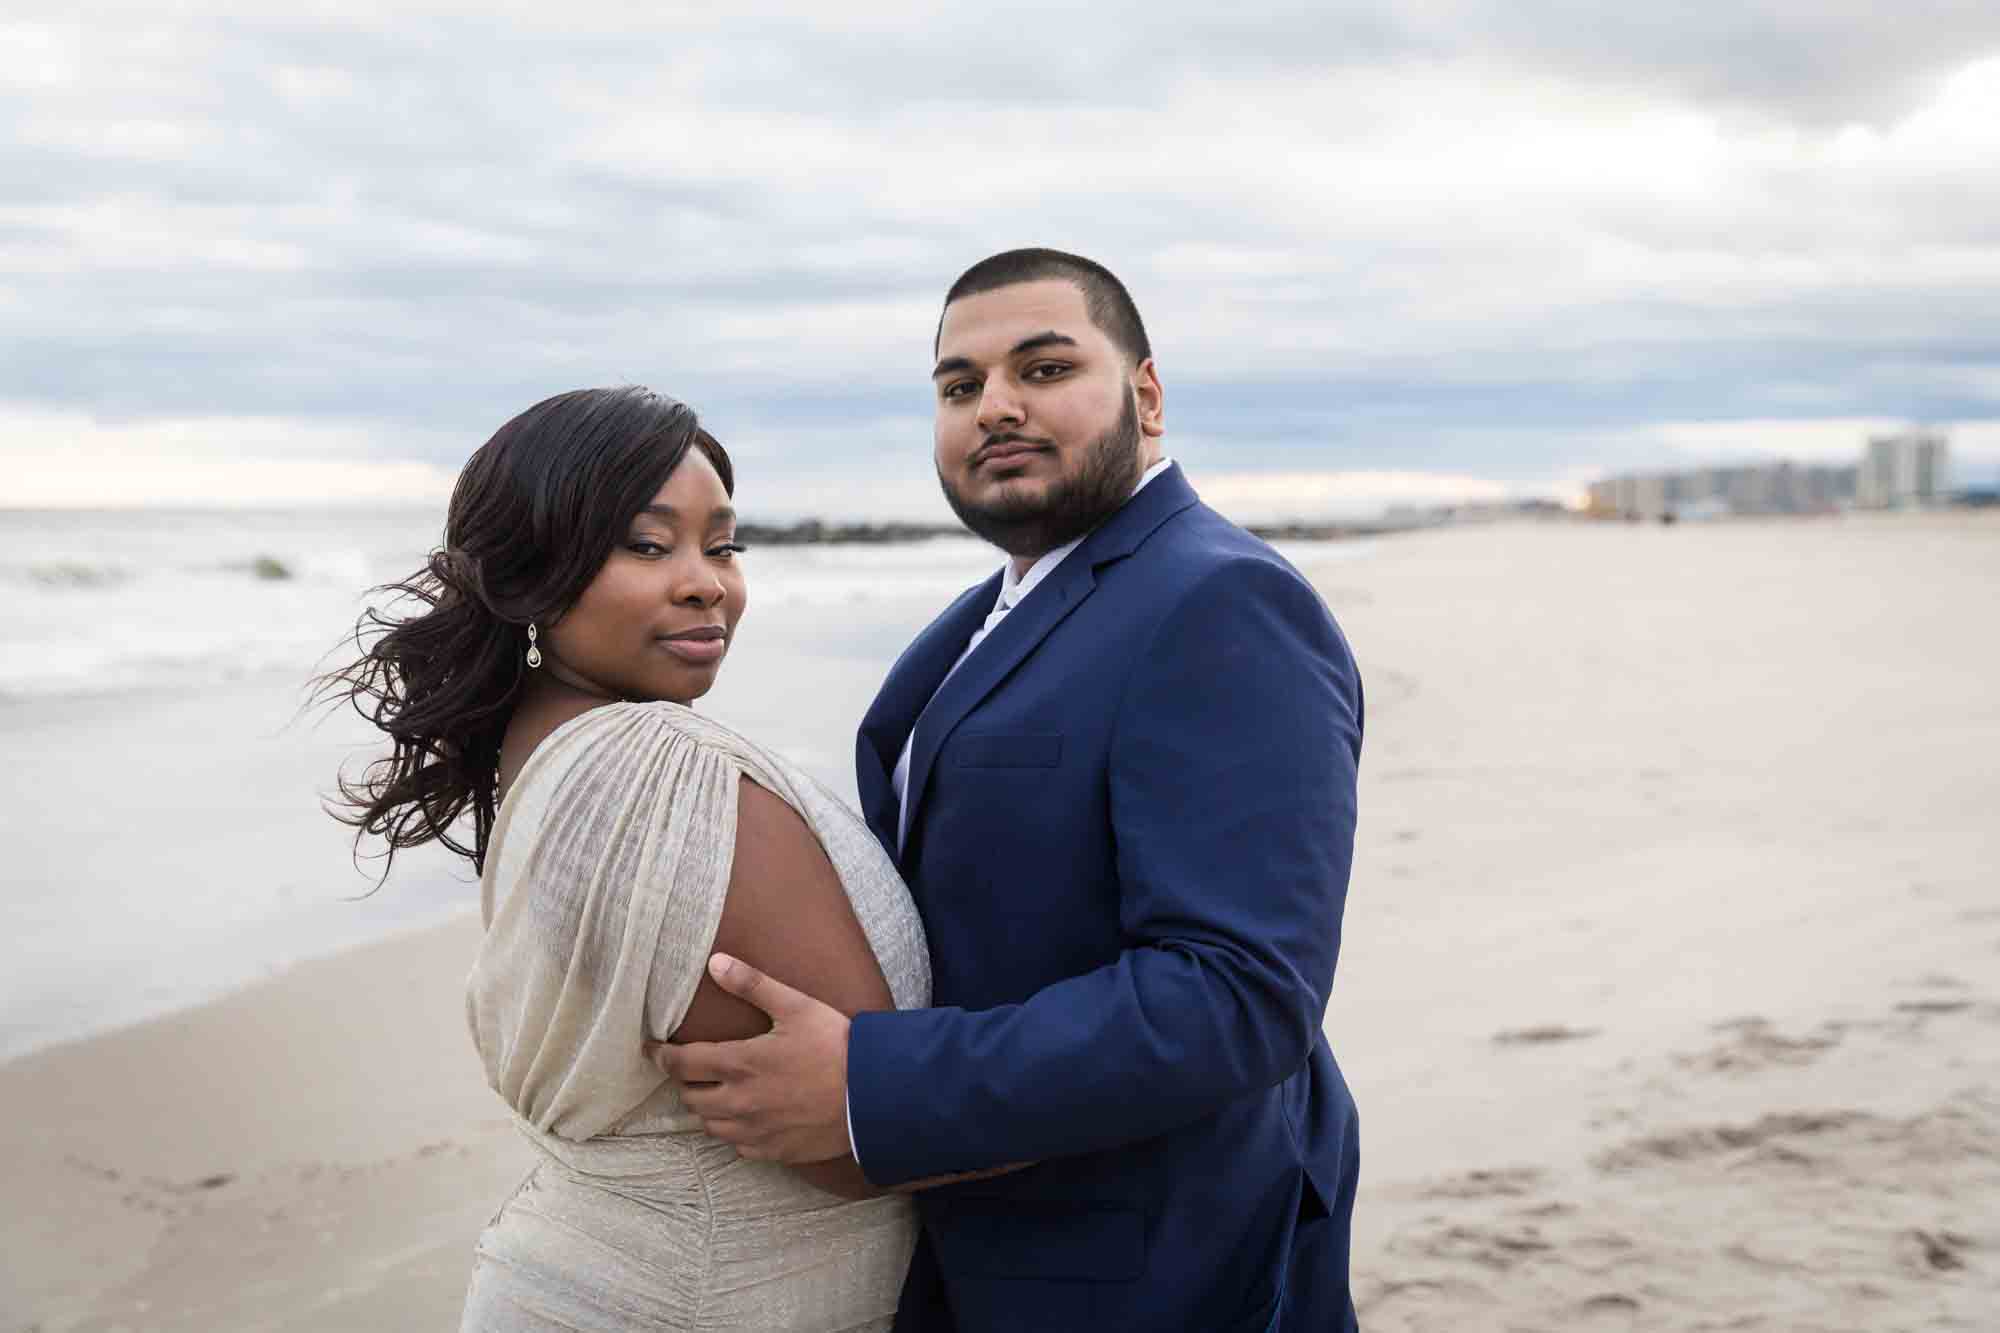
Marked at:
<point>1668,987</point>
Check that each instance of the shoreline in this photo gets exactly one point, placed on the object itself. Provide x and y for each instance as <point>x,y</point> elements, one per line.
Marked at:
<point>178,852</point>
<point>315,1151</point>
<point>442,920</point>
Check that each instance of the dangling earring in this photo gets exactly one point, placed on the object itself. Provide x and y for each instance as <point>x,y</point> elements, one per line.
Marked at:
<point>534,653</point>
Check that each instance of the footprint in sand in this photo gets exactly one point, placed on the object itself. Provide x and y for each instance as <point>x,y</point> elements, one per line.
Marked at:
<point>1759,1255</point>
<point>1542,1036</point>
<point>108,1174</point>
<point>1496,1247</point>
<point>1941,1251</point>
<point>1506,1182</point>
<point>1370,1298</point>
<point>1609,1303</point>
<point>1546,1236</point>
<point>1710,1141</point>
<point>1552,1208</point>
<point>1755,1045</point>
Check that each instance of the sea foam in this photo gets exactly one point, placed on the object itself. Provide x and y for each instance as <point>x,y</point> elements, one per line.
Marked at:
<point>112,601</point>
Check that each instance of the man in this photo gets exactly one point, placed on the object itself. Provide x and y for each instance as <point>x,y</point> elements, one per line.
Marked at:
<point>1119,778</point>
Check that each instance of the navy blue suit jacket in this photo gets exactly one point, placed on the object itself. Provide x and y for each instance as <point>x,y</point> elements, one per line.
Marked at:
<point>1131,822</point>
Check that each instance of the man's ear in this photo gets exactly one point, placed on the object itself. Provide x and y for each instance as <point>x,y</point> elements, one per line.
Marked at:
<point>1151,399</point>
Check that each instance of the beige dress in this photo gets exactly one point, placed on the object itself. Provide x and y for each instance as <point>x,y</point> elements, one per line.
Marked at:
<point>605,878</point>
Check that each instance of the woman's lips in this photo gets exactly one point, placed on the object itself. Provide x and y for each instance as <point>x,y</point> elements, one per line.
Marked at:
<point>699,647</point>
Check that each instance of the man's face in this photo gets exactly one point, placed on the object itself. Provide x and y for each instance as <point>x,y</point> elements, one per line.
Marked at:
<point>1043,424</point>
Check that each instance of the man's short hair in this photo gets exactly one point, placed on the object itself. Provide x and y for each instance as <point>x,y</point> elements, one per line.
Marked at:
<point>1104,297</point>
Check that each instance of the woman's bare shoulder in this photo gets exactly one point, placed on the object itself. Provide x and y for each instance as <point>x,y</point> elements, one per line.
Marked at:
<point>788,914</point>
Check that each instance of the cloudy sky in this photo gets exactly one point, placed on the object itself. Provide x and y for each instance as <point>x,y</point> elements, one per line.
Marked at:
<point>1412,250</point>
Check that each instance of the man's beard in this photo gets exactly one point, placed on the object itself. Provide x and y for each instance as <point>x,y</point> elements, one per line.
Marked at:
<point>1025,525</point>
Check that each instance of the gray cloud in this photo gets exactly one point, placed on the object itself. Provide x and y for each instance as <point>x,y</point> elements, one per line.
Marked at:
<point>1480,238</point>
<point>1819,62</point>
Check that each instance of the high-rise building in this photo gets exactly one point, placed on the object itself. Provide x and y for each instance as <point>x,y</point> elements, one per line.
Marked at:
<point>1904,469</point>
<point>1753,488</point>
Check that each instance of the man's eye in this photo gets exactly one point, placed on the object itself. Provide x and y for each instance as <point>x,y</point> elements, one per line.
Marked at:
<point>957,389</point>
<point>1047,370</point>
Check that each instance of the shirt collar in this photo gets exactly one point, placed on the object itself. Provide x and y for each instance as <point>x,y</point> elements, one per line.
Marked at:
<point>1013,589</point>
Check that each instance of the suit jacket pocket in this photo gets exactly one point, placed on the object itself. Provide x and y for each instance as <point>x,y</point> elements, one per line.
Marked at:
<point>1011,1238</point>
<point>1006,750</point>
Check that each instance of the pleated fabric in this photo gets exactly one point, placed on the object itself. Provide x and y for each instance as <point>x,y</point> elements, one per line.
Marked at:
<point>605,879</point>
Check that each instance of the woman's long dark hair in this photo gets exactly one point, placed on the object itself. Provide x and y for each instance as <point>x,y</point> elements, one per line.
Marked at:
<point>535,513</point>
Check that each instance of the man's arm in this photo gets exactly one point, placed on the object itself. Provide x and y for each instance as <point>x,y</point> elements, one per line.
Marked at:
<point>768,1093</point>
<point>1233,804</point>
<point>1232,773</point>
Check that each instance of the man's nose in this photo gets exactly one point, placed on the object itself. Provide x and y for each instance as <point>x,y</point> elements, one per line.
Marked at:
<point>1000,406</point>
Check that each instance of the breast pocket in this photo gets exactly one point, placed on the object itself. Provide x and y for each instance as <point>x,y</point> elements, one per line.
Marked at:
<point>1006,750</point>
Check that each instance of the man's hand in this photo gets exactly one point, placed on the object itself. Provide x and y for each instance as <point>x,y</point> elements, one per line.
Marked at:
<point>781,1097</point>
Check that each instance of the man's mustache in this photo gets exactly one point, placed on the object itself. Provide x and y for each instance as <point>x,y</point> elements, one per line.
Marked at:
<point>992,442</point>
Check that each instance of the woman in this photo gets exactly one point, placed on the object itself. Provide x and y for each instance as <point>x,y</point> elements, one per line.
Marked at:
<point>586,595</point>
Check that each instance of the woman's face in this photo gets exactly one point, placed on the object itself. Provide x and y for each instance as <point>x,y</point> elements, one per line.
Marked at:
<point>658,618</point>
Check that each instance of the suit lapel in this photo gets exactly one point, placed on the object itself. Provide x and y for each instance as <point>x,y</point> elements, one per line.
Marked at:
<point>1024,628</point>
<point>908,687</point>
<point>997,654</point>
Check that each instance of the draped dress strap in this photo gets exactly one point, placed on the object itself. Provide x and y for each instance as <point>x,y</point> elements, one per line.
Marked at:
<point>608,869</point>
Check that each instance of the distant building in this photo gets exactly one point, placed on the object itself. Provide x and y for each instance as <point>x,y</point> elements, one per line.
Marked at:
<point>1904,470</point>
<point>1758,488</point>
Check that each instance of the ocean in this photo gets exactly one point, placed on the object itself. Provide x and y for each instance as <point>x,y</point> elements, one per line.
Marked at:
<point>166,840</point>
<point>109,601</point>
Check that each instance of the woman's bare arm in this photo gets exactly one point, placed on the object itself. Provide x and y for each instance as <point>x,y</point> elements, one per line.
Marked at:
<point>787,915</point>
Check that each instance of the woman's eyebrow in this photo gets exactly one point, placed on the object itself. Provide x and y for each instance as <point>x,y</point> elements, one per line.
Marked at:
<point>719,514</point>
